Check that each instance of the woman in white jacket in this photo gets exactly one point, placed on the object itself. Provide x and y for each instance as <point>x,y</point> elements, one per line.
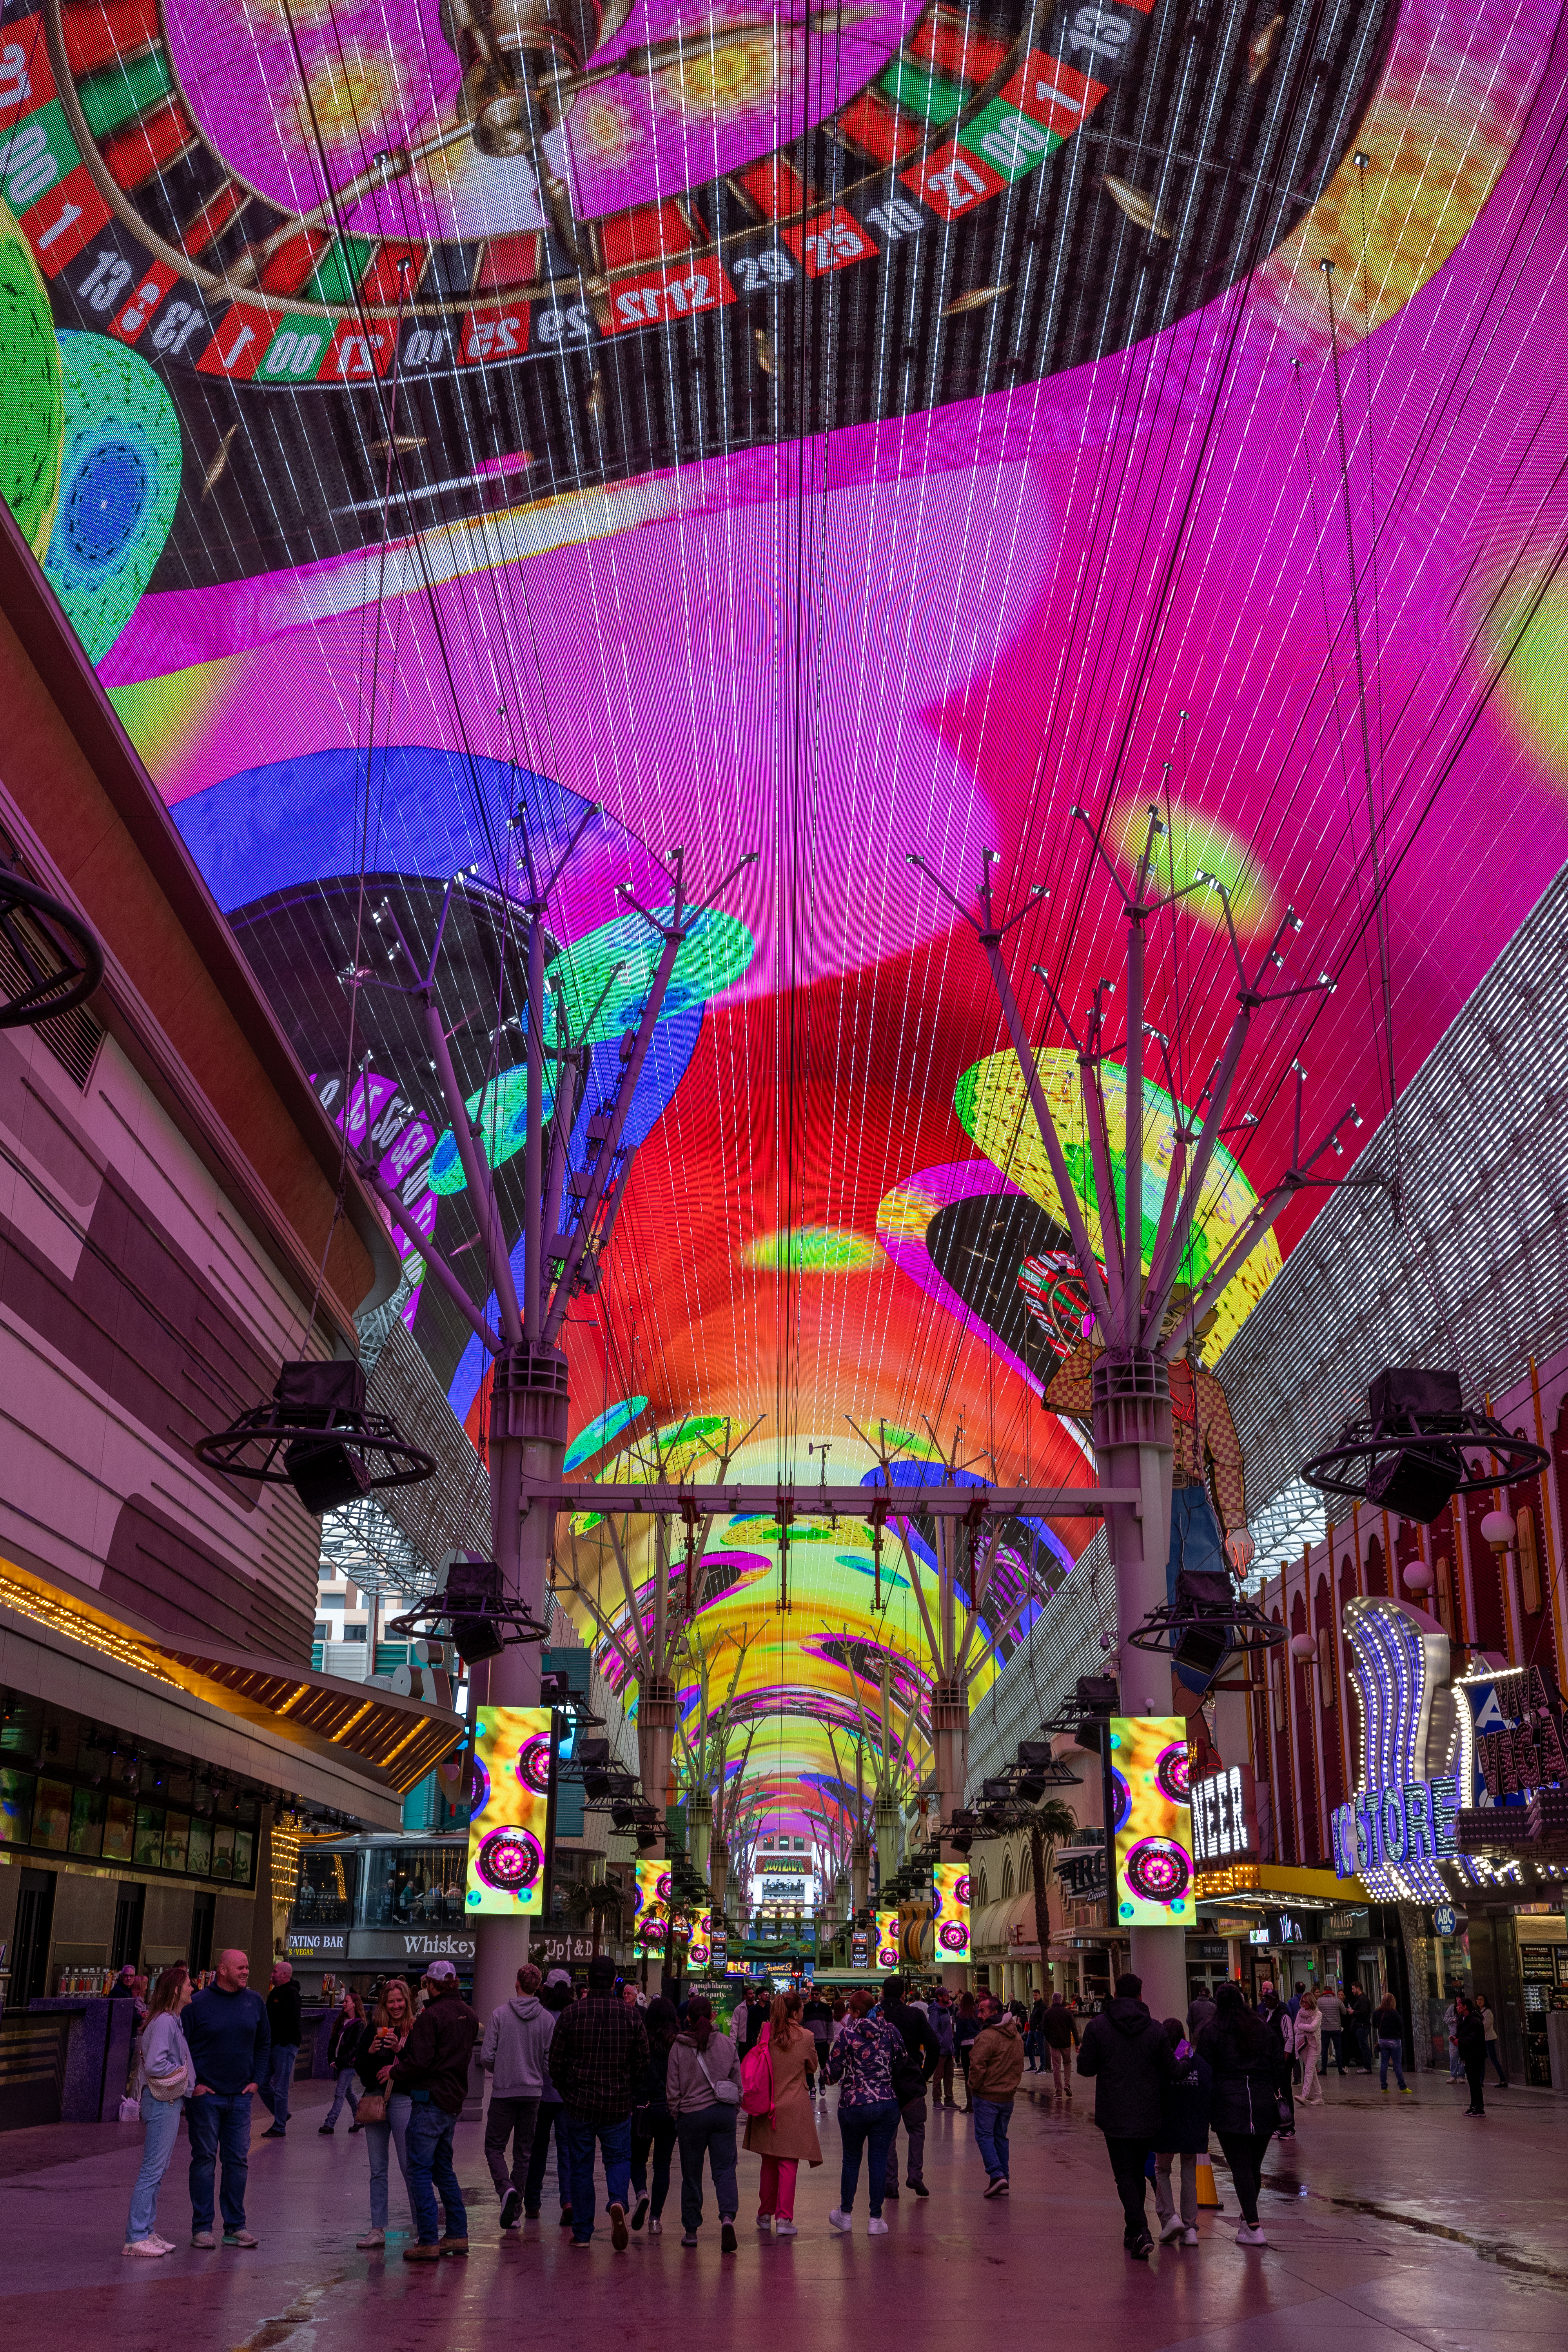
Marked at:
<point>165,2078</point>
<point>1310,2051</point>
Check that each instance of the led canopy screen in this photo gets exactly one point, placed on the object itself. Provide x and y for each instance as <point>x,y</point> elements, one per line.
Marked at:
<point>1154,1821</point>
<point>509,1827</point>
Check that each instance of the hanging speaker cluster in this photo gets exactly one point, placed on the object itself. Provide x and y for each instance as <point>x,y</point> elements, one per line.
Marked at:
<point>1419,1446</point>
<point>315,1436</point>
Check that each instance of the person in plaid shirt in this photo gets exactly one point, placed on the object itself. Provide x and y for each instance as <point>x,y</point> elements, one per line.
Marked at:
<point>597,2058</point>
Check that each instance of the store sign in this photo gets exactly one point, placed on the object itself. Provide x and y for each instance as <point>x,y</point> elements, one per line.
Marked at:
<point>408,1948</point>
<point>1521,1735</point>
<point>1382,1828</point>
<point>860,1951</point>
<point>1445,1920</point>
<point>1399,1826</point>
<point>1154,1821</point>
<point>1081,1873</point>
<point>1224,1817</point>
<point>318,1943</point>
<point>558,1951</point>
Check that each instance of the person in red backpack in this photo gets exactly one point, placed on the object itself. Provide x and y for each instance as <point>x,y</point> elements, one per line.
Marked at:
<point>787,2133</point>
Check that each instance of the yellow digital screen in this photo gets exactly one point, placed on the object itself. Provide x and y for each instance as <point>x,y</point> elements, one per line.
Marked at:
<point>650,1922</point>
<point>510,1824</point>
<point>700,1950</point>
<point>887,1940</point>
<point>949,1912</point>
<point>1152,1820</point>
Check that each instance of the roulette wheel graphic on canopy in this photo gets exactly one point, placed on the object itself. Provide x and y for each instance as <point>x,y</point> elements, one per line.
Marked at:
<point>278,205</point>
<point>1157,1870</point>
<point>509,1860</point>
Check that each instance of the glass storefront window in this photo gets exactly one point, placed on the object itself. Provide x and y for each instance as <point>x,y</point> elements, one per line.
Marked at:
<point>223,1849</point>
<point>324,1896</point>
<point>244,1847</point>
<point>120,1829</point>
<point>52,1816</point>
<point>176,1840</point>
<point>87,1820</point>
<point>415,1886</point>
<point>16,1807</point>
<point>149,1853</point>
<point>199,1856</point>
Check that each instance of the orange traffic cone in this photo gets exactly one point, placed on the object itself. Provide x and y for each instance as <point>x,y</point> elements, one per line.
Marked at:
<point>1207,2193</point>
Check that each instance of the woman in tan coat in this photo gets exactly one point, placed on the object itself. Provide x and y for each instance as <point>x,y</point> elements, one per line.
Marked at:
<point>789,2133</point>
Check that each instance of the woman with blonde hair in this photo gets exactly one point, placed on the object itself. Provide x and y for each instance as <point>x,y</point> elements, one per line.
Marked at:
<point>384,2112</point>
<point>1310,2051</point>
<point>787,2133</point>
<point>166,2079</point>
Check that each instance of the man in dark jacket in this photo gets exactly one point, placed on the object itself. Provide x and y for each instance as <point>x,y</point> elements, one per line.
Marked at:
<point>597,2058</point>
<point>433,2070</point>
<point>909,2086</point>
<point>225,2032</point>
<point>283,2025</point>
<point>1126,2052</point>
<point>1058,2032</point>
<point>1360,2026</point>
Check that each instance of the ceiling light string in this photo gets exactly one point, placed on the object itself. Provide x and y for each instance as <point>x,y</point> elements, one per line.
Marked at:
<point>1374,814</point>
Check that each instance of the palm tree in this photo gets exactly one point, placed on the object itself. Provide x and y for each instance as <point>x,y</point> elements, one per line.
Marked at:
<point>597,1899</point>
<point>1049,1822</point>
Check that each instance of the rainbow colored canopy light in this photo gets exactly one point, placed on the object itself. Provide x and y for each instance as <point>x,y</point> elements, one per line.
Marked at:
<point>993,1110</point>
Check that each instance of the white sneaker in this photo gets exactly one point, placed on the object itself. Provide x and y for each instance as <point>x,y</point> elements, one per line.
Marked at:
<point>371,2238</point>
<point>837,2221</point>
<point>764,2222</point>
<point>1171,2232</point>
<point>785,2230</point>
<point>149,2250</point>
<point>876,2227</point>
<point>1190,2238</point>
<point>655,2227</point>
<point>1245,2237</point>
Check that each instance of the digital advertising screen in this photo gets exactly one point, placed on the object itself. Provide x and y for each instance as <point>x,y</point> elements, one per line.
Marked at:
<point>1152,1820</point>
<point>700,1947</point>
<point>887,1940</point>
<point>650,1921</point>
<point>509,1828</point>
<point>950,1911</point>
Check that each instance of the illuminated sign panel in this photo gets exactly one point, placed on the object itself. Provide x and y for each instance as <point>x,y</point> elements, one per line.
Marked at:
<point>1154,1821</point>
<point>650,1920</point>
<point>1224,1817</point>
<point>509,1827</point>
<point>887,1940</point>
<point>950,1911</point>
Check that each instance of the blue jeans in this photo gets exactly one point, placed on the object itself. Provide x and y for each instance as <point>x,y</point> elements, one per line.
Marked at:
<point>871,2128</point>
<point>430,2130</point>
<point>380,2140</point>
<point>218,2121</point>
<point>992,2118</point>
<point>552,2118</point>
<point>274,2092</point>
<point>345,2090</point>
<point>615,2140</point>
<point>1390,2053</point>
<point>1497,2064</point>
<point>710,2132</point>
<point>162,2117</point>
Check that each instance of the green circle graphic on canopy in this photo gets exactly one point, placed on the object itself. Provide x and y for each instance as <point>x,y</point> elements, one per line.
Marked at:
<point>32,415</point>
<point>602,1429</point>
<point>993,1110</point>
<point>504,1125</point>
<point>812,1249</point>
<point>120,484</point>
<point>712,956</point>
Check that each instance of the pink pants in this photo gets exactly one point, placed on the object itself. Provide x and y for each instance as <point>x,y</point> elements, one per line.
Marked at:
<point>777,2196</point>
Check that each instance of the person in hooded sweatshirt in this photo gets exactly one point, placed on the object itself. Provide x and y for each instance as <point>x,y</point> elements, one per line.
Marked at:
<point>1126,2054</point>
<point>995,2069</point>
<point>512,2055</point>
<point>1183,2132</point>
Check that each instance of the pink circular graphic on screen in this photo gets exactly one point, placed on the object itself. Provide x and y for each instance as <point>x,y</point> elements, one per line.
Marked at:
<point>1158,1870</point>
<point>705,90</point>
<point>509,1860</point>
<point>1172,1773</point>
<point>533,1765</point>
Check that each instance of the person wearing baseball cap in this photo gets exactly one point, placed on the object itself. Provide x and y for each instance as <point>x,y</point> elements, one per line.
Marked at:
<point>433,2070</point>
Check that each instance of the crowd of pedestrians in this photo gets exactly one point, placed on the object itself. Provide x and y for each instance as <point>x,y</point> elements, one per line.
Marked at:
<point>625,2086</point>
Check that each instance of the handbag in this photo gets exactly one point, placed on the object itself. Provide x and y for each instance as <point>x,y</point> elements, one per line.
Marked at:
<point>171,2087</point>
<point>372,2107</point>
<point>130,2110</point>
<point>757,2078</point>
<point>725,2094</point>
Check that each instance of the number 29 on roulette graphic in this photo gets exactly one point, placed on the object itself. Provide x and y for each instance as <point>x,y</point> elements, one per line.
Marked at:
<point>508,1829</point>
<point>1154,1821</point>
